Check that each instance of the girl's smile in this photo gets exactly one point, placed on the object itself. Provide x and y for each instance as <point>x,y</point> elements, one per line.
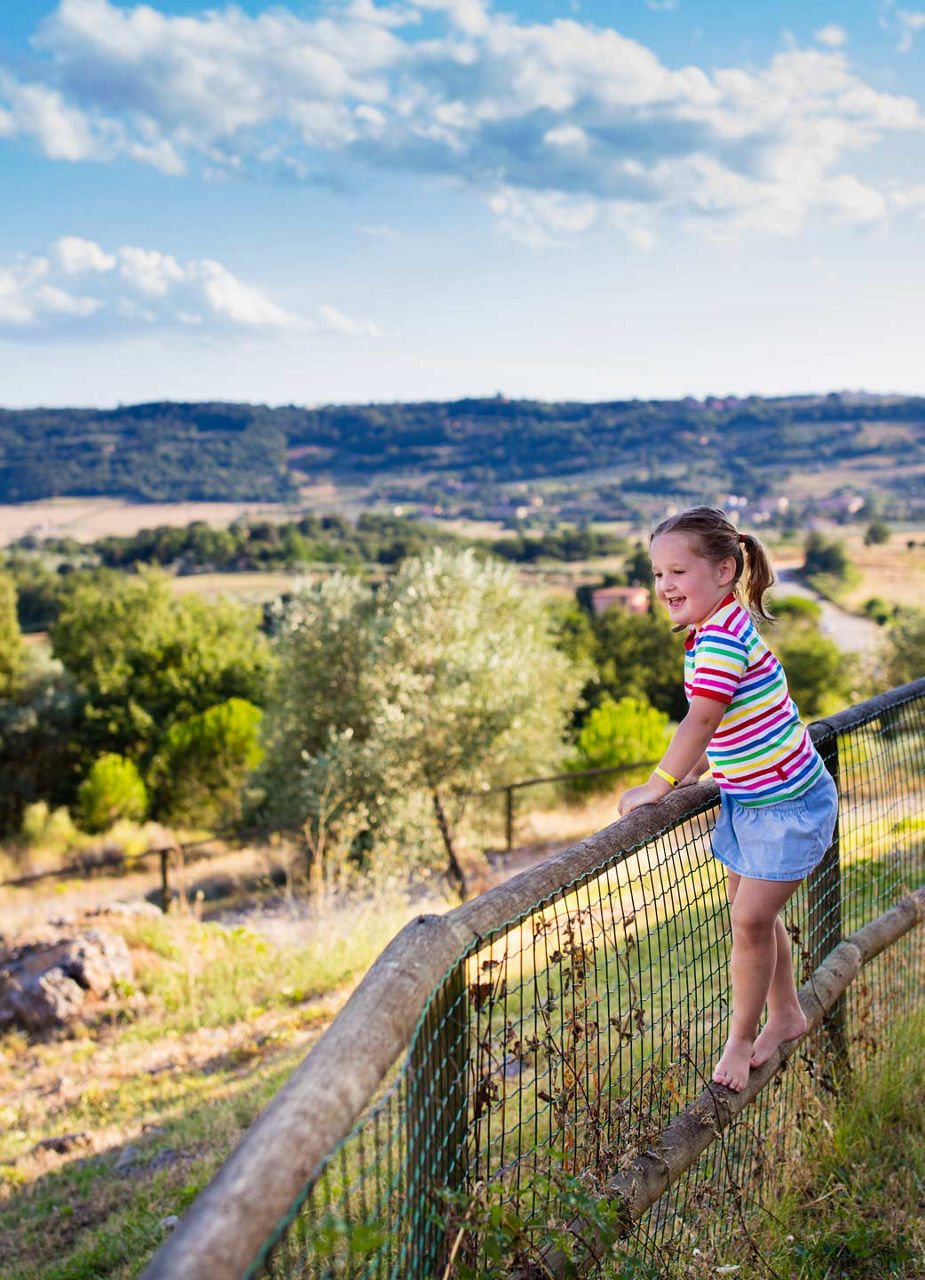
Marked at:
<point>689,586</point>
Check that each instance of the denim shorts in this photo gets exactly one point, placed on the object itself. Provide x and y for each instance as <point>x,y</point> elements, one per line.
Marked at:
<point>782,841</point>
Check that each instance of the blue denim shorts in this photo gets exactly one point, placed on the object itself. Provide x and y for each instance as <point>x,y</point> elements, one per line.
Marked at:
<point>782,841</point>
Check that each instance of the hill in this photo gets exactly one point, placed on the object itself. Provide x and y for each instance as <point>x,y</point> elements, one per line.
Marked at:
<point>448,455</point>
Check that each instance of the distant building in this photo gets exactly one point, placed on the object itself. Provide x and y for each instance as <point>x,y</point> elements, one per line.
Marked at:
<point>632,599</point>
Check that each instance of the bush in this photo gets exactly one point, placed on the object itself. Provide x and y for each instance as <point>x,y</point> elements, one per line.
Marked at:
<point>113,789</point>
<point>877,532</point>
<point>905,647</point>
<point>826,555</point>
<point>49,829</point>
<point>618,733</point>
<point>204,763</point>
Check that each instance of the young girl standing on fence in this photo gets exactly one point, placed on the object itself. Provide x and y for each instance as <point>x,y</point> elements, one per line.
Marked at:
<point>778,801</point>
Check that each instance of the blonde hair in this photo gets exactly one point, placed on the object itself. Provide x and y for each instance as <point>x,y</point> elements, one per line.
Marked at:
<point>714,537</point>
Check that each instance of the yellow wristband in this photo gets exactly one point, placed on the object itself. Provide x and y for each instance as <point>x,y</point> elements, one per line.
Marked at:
<point>662,773</point>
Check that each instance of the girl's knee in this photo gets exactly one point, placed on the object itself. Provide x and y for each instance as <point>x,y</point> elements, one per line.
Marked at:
<point>752,919</point>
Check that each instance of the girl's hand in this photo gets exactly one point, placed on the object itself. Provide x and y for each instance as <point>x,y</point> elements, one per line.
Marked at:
<point>648,793</point>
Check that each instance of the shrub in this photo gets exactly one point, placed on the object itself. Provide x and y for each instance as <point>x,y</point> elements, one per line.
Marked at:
<point>112,789</point>
<point>618,733</point>
<point>205,761</point>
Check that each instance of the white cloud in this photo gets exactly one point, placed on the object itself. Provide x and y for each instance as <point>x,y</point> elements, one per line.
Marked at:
<point>567,135</point>
<point>911,22</point>
<point>336,322</point>
<point>562,121</point>
<point>76,255</point>
<point>144,287</point>
<point>831,35</point>
<point>241,303</point>
<point>541,218</point>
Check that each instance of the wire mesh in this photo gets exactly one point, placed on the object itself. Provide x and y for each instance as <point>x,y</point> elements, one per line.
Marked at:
<point>561,1045</point>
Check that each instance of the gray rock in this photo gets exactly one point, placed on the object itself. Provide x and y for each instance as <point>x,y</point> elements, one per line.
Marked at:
<point>44,983</point>
<point>64,1143</point>
<point>168,1223</point>
<point>40,1001</point>
<point>128,1160</point>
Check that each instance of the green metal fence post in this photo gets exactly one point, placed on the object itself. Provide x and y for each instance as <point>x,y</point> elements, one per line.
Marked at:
<point>438,1117</point>
<point>824,904</point>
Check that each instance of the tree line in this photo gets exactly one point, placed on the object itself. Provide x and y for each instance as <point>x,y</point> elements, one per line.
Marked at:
<point>46,570</point>
<point>182,452</point>
<point>361,714</point>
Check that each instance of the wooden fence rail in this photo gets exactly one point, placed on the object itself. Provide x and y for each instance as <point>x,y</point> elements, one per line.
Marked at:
<point>222,1233</point>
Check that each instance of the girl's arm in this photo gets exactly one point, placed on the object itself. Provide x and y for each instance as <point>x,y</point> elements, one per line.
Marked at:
<point>685,753</point>
<point>694,775</point>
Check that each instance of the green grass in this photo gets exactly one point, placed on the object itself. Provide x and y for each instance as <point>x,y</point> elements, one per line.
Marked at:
<point>176,1070</point>
<point>854,1207</point>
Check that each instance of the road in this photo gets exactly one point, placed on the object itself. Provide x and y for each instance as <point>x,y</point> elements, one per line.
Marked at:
<point>851,633</point>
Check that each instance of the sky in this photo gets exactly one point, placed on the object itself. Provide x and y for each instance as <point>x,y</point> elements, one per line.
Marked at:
<point>352,201</point>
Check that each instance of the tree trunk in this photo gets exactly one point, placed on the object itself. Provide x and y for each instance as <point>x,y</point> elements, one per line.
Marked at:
<point>454,870</point>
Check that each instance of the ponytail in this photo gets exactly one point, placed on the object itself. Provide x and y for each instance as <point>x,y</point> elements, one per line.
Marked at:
<point>759,576</point>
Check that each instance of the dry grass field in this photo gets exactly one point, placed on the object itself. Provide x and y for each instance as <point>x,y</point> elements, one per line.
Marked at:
<point>894,571</point>
<point>86,519</point>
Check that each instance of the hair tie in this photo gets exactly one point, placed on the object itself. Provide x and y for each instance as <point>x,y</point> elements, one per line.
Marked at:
<point>742,537</point>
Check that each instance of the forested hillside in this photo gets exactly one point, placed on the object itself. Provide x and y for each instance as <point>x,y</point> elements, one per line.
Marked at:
<point>251,452</point>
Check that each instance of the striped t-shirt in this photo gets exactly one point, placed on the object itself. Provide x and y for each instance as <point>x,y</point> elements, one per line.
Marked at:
<point>761,752</point>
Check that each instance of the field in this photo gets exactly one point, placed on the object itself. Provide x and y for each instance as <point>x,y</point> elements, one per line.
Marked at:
<point>86,519</point>
<point>143,1103</point>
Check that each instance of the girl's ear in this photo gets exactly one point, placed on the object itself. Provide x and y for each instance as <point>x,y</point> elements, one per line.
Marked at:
<point>727,571</point>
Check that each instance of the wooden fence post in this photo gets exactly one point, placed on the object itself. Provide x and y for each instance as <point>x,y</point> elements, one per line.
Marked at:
<point>165,885</point>
<point>824,906</point>
<point>438,1121</point>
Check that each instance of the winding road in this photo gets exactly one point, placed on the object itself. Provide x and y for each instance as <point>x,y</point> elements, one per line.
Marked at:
<point>850,633</point>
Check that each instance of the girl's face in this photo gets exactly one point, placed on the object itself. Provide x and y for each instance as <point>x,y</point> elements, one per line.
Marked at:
<point>688,585</point>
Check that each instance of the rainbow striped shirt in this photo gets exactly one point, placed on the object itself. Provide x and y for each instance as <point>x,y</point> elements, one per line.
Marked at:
<point>761,752</point>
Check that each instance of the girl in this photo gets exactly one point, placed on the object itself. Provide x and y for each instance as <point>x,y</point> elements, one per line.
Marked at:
<point>778,802</point>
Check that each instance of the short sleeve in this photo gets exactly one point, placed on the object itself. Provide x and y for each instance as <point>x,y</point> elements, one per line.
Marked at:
<point>720,662</point>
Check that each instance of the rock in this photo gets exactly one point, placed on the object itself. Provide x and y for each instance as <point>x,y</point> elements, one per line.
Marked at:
<point>40,1002</point>
<point>166,1156</point>
<point>44,982</point>
<point>131,907</point>
<point>127,1161</point>
<point>98,959</point>
<point>168,1223</point>
<point>64,1143</point>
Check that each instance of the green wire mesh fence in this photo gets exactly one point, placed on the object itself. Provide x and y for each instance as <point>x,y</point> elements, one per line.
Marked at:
<point>562,1042</point>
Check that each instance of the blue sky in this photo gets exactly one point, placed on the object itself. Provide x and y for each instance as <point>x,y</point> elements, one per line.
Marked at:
<point>357,201</point>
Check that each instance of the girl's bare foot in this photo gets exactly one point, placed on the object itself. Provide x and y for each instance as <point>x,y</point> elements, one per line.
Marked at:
<point>733,1067</point>
<point>777,1029</point>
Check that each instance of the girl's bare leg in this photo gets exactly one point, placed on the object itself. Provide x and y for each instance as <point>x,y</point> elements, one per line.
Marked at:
<point>754,962</point>
<point>786,1019</point>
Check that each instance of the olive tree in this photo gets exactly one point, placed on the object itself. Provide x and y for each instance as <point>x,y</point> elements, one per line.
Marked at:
<point>389,702</point>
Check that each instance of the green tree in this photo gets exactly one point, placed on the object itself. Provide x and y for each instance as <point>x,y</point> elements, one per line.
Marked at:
<point>112,789</point>
<point>145,659</point>
<point>819,674</point>
<point>904,649</point>
<point>38,733</point>
<point>616,733</point>
<point>446,679</point>
<point>826,555</point>
<point>12,658</point>
<point>638,567</point>
<point>876,533</point>
<point>637,656</point>
<point>204,762</point>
